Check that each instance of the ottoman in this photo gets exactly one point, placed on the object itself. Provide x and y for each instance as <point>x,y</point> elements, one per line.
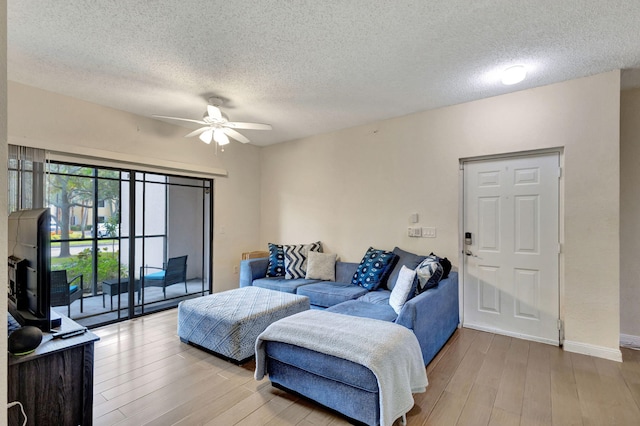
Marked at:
<point>228,323</point>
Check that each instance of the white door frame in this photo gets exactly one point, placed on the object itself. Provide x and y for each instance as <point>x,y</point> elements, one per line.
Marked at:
<point>461,262</point>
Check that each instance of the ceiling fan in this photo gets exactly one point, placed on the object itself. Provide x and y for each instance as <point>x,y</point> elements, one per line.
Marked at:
<point>217,126</point>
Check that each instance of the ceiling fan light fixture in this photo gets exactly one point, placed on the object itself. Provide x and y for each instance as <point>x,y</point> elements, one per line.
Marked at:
<point>217,127</point>
<point>206,136</point>
<point>514,75</point>
<point>220,137</point>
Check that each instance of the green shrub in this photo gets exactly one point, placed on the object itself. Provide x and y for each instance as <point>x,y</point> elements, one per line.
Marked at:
<point>82,263</point>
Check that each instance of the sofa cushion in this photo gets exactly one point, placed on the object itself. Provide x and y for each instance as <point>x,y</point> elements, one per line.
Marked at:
<point>345,271</point>
<point>378,297</point>
<point>328,366</point>
<point>345,386</point>
<point>321,266</point>
<point>374,268</point>
<point>158,276</point>
<point>403,288</point>
<point>281,284</point>
<point>295,259</point>
<point>276,261</point>
<point>359,308</point>
<point>327,294</point>
<point>410,260</point>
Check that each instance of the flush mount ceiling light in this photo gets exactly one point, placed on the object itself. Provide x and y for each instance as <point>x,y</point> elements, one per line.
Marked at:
<point>513,75</point>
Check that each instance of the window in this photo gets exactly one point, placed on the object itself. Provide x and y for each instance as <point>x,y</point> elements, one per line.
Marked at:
<point>25,178</point>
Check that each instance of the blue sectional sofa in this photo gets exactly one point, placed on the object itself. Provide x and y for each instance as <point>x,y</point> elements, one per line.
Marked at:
<point>431,315</point>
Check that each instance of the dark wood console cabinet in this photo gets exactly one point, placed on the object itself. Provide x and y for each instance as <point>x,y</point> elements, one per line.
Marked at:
<point>55,383</point>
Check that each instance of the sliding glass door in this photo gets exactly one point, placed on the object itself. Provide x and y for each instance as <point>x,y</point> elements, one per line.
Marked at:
<point>172,239</point>
<point>123,230</point>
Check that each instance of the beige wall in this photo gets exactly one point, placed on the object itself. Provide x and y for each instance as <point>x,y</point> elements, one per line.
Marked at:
<point>60,123</point>
<point>357,187</point>
<point>3,197</point>
<point>630,214</point>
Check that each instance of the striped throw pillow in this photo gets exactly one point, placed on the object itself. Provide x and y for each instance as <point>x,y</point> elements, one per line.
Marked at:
<point>295,259</point>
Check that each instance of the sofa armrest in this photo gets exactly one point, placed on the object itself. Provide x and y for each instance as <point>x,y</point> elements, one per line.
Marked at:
<point>252,269</point>
<point>433,316</point>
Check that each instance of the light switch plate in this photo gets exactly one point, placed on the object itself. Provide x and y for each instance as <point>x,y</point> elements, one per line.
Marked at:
<point>428,232</point>
<point>414,231</point>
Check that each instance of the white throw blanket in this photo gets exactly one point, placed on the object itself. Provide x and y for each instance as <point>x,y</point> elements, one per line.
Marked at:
<point>389,350</point>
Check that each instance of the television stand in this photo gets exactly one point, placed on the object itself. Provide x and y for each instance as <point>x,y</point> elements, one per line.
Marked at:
<point>54,383</point>
<point>25,317</point>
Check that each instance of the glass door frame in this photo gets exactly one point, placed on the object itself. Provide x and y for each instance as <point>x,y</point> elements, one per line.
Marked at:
<point>138,310</point>
<point>206,250</point>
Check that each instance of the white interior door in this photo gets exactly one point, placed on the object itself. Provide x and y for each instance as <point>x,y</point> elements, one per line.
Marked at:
<point>511,210</point>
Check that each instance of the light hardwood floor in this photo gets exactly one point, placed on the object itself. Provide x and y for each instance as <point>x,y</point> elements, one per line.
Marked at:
<point>144,375</point>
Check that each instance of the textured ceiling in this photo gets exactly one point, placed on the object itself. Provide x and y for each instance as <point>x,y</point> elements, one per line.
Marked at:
<point>310,67</point>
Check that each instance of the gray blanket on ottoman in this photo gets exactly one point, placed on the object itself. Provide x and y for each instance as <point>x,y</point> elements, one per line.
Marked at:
<point>389,350</point>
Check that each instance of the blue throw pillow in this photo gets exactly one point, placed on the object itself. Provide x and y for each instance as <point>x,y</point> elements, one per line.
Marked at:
<point>374,268</point>
<point>276,261</point>
<point>429,274</point>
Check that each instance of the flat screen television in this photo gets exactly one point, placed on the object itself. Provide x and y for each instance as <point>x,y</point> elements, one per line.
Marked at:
<point>29,285</point>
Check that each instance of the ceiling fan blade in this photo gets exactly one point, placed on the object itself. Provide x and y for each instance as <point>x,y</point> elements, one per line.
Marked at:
<point>197,132</point>
<point>248,126</point>
<point>214,112</point>
<point>180,119</point>
<point>236,135</point>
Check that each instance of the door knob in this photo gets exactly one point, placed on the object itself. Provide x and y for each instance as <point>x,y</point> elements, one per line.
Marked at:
<point>470,254</point>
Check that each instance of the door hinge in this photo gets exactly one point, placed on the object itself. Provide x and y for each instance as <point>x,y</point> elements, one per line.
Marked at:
<point>559,172</point>
<point>559,248</point>
<point>560,331</point>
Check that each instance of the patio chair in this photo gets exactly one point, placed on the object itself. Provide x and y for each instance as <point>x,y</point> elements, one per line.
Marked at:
<point>64,292</point>
<point>172,272</point>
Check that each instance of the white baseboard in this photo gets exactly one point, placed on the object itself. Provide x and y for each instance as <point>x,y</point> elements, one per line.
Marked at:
<point>507,333</point>
<point>569,346</point>
<point>593,350</point>
<point>630,341</point>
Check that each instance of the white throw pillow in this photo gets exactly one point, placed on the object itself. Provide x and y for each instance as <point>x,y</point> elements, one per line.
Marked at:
<point>400,292</point>
<point>321,266</point>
